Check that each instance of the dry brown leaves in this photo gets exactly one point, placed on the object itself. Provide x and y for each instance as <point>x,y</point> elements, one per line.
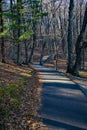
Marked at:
<point>11,73</point>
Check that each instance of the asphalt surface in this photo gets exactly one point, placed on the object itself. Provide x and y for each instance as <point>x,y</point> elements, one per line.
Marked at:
<point>64,105</point>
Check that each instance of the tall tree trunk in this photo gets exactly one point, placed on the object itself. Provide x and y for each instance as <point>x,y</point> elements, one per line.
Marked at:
<point>33,28</point>
<point>54,35</point>
<point>2,38</point>
<point>70,38</point>
<point>19,6</point>
<point>13,33</point>
<point>63,25</point>
<point>26,52</point>
<point>79,45</point>
<point>81,3</point>
<point>33,46</point>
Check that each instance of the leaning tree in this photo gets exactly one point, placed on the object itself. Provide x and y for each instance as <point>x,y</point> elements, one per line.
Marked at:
<point>80,44</point>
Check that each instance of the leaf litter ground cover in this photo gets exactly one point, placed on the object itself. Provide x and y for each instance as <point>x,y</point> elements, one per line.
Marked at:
<point>19,98</point>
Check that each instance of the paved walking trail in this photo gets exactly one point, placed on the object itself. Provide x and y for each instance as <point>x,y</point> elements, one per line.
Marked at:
<point>64,105</point>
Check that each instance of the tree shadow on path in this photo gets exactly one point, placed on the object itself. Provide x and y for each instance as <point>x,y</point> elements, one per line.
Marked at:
<point>64,106</point>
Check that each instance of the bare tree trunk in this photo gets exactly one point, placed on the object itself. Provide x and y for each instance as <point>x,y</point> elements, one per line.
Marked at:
<point>79,44</point>
<point>13,33</point>
<point>81,3</point>
<point>54,35</point>
<point>34,41</point>
<point>63,25</point>
<point>19,6</point>
<point>2,38</point>
<point>26,52</point>
<point>34,30</point>
<point>70,39</point>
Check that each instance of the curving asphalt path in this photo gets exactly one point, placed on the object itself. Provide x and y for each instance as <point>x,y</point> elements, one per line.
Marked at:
<point>64,105</point>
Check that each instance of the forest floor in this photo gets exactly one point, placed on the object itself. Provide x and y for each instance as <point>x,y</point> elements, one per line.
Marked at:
<point>19,82</point>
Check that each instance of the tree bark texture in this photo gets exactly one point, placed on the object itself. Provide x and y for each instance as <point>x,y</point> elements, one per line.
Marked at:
<point>79,44</point>
<point>19,6</point>
<point>33,46</point>
<point>70,39</point>
<point>2,37</point>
